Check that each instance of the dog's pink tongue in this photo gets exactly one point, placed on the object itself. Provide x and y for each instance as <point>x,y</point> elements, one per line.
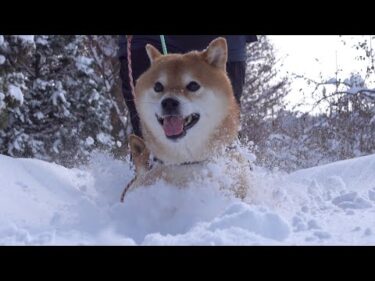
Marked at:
<point>173,125</point>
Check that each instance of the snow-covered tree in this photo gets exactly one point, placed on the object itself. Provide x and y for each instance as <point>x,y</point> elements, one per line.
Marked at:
<point>15,56</point>
<point>66,112</point>
<point>341,124</point>
<point>263,96</point>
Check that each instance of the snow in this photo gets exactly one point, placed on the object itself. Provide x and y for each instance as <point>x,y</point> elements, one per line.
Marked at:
<point>2,59</point>
<point>42,40</point>
<point>26,38</point>
<point>104,138</point>
<point>84,64</point>
<point>46,204</point>
<point>58,95</point>
<point>2,103</point>
<point>332,81</point>
<point>94,96</point>
<point>39,115</point>
<point>89,141</point>
<point>1,40</point>
<point>16,93</point>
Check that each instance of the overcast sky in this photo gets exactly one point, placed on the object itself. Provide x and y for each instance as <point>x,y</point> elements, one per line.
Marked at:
<point>312,55</point>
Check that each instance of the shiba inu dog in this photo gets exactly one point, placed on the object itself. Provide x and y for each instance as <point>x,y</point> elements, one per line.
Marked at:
<point>188,115</point>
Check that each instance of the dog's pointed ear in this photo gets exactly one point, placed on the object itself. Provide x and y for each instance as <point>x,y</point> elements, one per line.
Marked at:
<point>152,53</point>
<point>216,54</point>
<point>137,145</point>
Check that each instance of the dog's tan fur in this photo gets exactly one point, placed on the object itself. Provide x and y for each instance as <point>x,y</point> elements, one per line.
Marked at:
<point>140,154</point>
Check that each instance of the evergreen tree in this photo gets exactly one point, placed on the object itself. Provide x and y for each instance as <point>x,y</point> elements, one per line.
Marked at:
<point>67,101</point>
<point>263,96</point>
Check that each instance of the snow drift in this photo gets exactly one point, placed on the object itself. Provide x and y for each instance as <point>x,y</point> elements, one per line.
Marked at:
<point>45,204</point>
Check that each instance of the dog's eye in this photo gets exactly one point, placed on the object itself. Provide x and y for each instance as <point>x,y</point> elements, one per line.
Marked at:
<point>193,86</point>
<point>158,87</point>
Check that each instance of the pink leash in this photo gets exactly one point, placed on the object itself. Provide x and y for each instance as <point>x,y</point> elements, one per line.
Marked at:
<point>131,80</point>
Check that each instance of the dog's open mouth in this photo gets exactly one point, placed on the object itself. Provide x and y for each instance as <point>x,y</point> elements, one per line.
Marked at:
<point>175,126</point>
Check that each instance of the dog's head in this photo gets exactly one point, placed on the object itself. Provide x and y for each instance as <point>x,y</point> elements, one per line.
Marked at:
<point>186,103</point>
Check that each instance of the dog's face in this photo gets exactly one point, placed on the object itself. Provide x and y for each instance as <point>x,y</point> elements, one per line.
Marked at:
<point>183,100</point>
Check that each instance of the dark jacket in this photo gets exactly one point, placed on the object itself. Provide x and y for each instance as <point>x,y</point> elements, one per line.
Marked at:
<point>186,43</point>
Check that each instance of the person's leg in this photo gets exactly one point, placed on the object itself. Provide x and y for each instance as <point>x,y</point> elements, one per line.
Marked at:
<point>140,63</point>
<point>236,72</point>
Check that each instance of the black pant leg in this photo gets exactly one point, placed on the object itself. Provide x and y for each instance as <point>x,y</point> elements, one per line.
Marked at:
<point>236,72</point>
<point>140,64</point>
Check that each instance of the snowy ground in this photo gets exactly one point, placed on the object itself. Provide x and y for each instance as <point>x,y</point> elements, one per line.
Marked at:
<point>46,204</point>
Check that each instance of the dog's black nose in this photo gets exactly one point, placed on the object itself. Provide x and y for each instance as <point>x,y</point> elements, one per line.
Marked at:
<point>170,106</point>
